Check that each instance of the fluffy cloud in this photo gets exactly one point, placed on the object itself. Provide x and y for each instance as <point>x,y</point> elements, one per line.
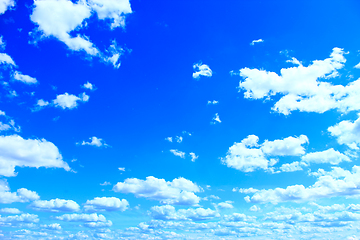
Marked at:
<point>69,100</point>
<point>338,182</point>
<point>193,156</point>
<point>214,102</point>
<point>291,167</point>
<point>55,205</point>
<point>239,217</point>
<point>301,88</point>
<point>201,70</point>
<point>256,41</point>
<point>53,226</point>
<point>98,224</point>
<point>178,153</point>
<point>248,155</point>
<point>347,133</point>
<point>10,210</point>
<point>88,85</point>
<point>106,204</point>
<point>168,212</point>
<point>328,156</point>
<point>216,119</point>
<point>23,218</point>
<point>180,191</point>
<point>98,142</point>
<point>5,5</point>
<point>6,59</point>
<point>226,204</point>
<point>16,151</point>
<point>75,217</point>
<point>24,78</point>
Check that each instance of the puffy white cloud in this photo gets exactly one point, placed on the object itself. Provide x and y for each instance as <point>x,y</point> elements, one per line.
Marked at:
<point>98,142</point>
<point>216,119</point>
<point>180,191</point>
<point>226,204</point>
<point>179,139</point>
<point>55,205</point>
<point>88,85</point>
<point>347,133</point>
<point>122,169</point>
<point>193,156</point>
<point>112,9</point>
<point>16,151</point>
<point>248,155</point>
<point>106,204</point>
<point>169,139</point>
<point>6,59</point>
<point>328,156</point>
<point>75,217</point>
<point>214,102</point>
<point>98,224</point>
<point>24,78</point>
<point>25,217</point>
<point>69,100</point>
<point>105,183</point>
<point>201,70</point>
<point>338,182</point>
<point>256,41</point>
<point>301,88</point>
<point>291,167</point>
<point>10,210</point>
<point>5,5</point>
<point>178,153</point>
<point>245,190</point>
<point>168,212</point>
<point>254,208</point>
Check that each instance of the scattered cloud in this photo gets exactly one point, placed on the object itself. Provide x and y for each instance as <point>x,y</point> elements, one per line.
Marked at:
<point>5,5</point>
<point>122,169</point>
<point>347,133</point>
<point>55,205</point>
<point>10,211</point>
<point>170,139</point>
<point>21,195</point>
<point>82,217</point>
<point>168,212</point>
<point>88,85</point>
<point>106,204</point>
<point>105,183</point>
<point>18,152</point>
<point>214,102</point>
<point>201,70</point>
<point>291,167</point>
<point>177,153</point>
<point>98,142</point>
<point>193,156</point>
<point>6,59</point>
<point>329,156</point>
<point>69,101</point>
<point>226,204</point>
<point>24,78</point>
<point>180,191</point>
<point>216,119</point>
<point>256,41</point>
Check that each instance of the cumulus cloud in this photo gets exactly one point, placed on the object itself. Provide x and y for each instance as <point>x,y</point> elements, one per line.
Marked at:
<point>98,142</point>
<point>10,211</point>
<point>347,133</point>
<point>23,218</point>
<point>55,205</point>
<point>193,156</point>
<point>5,5</point>
<point>115,53</point>
<point>168,212</point>
<point>256,41</point>
<point>338,182</point>
<point>301,87</point>
<point>18,152</point>
<point>226,204</point>
<point>177,153</point>
<point>106,204</point>
<point>6,59</point>
<point>216,119</point>
<point>88,85</point>
<point>83,217</point>
<point>239,217</point>
<point>69,101</point>
<point>328,156</point>
<point>24,78</point>
<point>291,167</point>
<point>214,102</point>
<point>248,155</point>
<point>201,70</point>
<point>180,191</point>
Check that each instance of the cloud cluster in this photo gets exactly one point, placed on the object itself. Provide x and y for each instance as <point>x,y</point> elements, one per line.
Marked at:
<point>64,101</point>
<point>201,70</point>
<point>5,5</point>
<point>180,191</point>
<point>16,151</point>
<point>106,204</point>
<point>21,195</point>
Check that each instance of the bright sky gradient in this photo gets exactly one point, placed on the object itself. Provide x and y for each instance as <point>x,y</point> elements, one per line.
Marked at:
<point>179,119</point>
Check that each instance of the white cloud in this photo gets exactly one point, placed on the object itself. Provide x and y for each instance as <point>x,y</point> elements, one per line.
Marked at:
<point>301,88</point>
<point>55,205</point>
<point>98,142</point>
<point>216,119</point>
<point>248,155</point>
<point>22,194</point>
<point>168,212</point>
<point>122,169</point>
<point>10,210</point>
<point>69,100</point>
<point>52,226</point>
<point>98,224</point>
<point>214,102</point>
<point>291,167</point>
<point>201,70</point>
<point>106,204</point>
<point>226,204</point>
<point>347,133</point>
<point>23,218</point>
<point>245,190</point>
<point>256,41</point>
<point>178,153</point>
<point>42,103</point>
<point>180,191</point>
<point>328,156</point>
<point>69,16</point>
<point>170,139</point>
<point>254,208</point>
<point>88,85</point>
<point>16,151</point>
<point>239,217</point>
<point>75,217</point>
<point>105,183</point>
<point>338,182</point>
<point>5,5</point>
<point>112,9</point>
<point>115,53</point>
<point>24,78</point>
<point>193,156</point>
<point>179,139</point>
<point>357,66</point>
<point>6,59</point>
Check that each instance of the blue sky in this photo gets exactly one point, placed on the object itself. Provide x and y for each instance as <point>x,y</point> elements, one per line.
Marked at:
<point>190,120</point>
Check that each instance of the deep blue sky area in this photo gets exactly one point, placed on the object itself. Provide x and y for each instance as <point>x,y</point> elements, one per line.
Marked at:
<point>179,120</point>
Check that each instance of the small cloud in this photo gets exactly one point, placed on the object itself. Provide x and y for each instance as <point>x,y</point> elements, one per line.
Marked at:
<point>214,102</point>
<point>88,85</point>
<point>105,183</point>
<point>178,153</point>
<point>169,139</point>
<point>201,70</point>
<point>98,142</point>
<point>357,66</point>
<point>254,208</point>
<point>122,169</point>
<point>179,139</point>
<point>256,41</point>
<point>193,156</point>
<point>216,119</point>
<point>24,78</point>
